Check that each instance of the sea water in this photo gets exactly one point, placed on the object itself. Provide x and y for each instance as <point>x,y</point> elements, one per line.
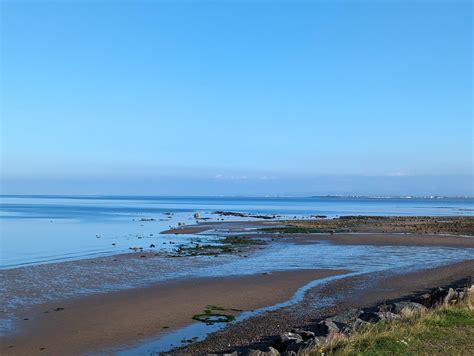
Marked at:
<point>44,229</point>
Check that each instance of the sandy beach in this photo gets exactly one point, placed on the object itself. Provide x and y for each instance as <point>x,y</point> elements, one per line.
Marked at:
<point>117,302</point>
<point>109,320</point>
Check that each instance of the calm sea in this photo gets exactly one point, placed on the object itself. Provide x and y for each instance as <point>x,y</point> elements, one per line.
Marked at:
<point>42,229</point>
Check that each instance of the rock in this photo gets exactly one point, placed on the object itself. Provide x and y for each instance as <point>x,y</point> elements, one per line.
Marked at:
<point>269,351</point>
<point>451,297</point>
<point>347,317</point>
<point>326,327</point>
<point>310,345</point>
<point>425,300</point>
<point>408,308</point>
<point>359,324</point>
<point>388,316</point>
<point>294,347</point>
<point>285,339</point>
<point>346,320</point>
<point>437,296</point>
<point>305,334</point>
<point>197,216</point>
<point>370,317</point>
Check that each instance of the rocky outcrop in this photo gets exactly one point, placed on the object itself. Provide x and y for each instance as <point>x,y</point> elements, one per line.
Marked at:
<point>303,341</point>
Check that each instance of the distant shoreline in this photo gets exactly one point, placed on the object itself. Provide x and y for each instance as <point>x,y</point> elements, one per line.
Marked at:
<point>132,197</point>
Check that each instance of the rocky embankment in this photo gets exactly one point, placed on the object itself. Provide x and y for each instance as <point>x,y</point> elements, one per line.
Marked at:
<point>304,341</point>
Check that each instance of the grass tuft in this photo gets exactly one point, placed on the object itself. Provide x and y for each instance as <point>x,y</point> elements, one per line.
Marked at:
<point>448,330</point>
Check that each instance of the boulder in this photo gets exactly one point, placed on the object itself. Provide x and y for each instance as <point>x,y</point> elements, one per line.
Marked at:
<point>407,308</point>
<point>425,300</point>
<point>451,297</point>
<point>310,345</point>
<point>294,347</point>
<point>305,334</point>
<point>286,339</point>
<point>388,316</point>
<point>359,324</point>
<point>345,321</point>
<point>437,296</point>
<point>269,351</point>
<point>370,317</point>
<point>348,317</point>
<point>326,327</point>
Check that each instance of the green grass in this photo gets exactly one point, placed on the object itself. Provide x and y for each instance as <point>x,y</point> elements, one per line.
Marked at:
<point>447,331</point>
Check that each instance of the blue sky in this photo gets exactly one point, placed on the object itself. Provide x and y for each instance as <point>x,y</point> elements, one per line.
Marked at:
<point>234,97</point>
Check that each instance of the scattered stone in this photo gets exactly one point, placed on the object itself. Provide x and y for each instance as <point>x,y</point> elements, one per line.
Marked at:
<point>304,342</point>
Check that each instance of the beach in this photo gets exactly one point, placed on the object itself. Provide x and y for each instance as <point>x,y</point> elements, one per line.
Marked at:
<point>236,178</point>
<point>131,301</point>
<point>104,321</point>
<point>352,292</point>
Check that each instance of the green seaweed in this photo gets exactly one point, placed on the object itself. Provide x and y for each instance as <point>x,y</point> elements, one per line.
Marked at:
<point>215,314</point>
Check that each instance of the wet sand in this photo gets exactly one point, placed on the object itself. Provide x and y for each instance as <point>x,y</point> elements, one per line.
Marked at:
<point>103,321</point>
<point>379,239</point>
<point>351,292</point>
<point>109,319</point>
<point>237,226</point>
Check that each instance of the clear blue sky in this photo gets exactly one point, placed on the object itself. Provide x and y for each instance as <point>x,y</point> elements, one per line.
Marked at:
<point>234,97</point>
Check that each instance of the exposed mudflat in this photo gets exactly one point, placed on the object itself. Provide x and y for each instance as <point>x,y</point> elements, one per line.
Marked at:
<point>102,321</point>
<point>352,292</point>
<point>377,239</point>
<point>107,302</point>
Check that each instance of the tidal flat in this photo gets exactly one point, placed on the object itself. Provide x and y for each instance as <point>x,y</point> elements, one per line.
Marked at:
<point>269,276</point>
